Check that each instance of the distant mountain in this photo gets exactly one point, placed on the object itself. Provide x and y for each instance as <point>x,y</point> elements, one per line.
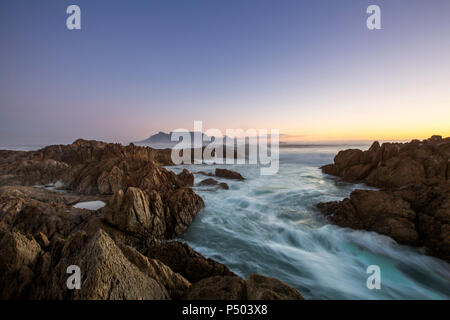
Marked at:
<point>160,137</point>
<point>164,138</point>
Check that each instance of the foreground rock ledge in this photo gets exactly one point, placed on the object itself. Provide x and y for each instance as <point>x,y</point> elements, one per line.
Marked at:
<point>121,249</point>
<point>413,205</point>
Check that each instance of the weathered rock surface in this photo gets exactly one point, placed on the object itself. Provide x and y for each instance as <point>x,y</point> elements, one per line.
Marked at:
<point>394,165</point>
<point>90,167</point>
<point>184,260</point>
<point>186,177</point>
<point>18,257</point>
<point>413,205</point>
<point>223,173</point>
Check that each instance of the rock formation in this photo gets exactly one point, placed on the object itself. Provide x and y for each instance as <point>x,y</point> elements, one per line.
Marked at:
<point>121,249</point>
<point>413,205</point>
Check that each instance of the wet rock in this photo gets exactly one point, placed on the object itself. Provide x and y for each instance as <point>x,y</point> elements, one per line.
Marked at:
<point>228,174</point>
<point>214,183</point>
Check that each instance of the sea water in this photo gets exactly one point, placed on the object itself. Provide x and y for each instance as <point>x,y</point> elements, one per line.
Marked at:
<point>270,225</point>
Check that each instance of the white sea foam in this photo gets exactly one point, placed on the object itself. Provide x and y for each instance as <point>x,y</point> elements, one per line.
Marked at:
<point>269,225</point>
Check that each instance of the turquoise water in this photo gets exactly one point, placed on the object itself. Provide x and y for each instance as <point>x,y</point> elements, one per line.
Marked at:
<point>269,225</point>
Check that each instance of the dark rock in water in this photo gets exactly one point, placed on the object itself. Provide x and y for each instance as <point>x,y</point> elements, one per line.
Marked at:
<point>413,207</point>
<point>205,173</point>
<point>375,211</point>
<point>217,288</point>
<point>208,182</point>
<point>228,174</point>
<point>223,185</point>
<point>212,182</point>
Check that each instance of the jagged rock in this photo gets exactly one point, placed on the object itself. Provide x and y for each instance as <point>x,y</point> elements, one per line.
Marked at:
<point>90,167</point>
<point>375,211</point>
<point>182,206</point>
<point>41,233</point>
<point>33,210</point>
<point>105,272</point>
<point>174,283</point>
<point>42,240</point>
<point>186,177</point>
<point>266,288</point>
<point>412,208</point>
<point>257,287</point>
<point>395,165</point>
<point>217,288</point>
<point>130,212</point>
<point>18,257</point>
<point>184,260</point>
<point>228,174</point>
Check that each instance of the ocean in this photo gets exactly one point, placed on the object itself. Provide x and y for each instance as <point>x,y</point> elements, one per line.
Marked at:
<point>270,225</point>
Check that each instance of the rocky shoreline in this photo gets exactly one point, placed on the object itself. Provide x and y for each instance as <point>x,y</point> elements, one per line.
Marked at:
<point>125,249</point>
<point>413,203</point>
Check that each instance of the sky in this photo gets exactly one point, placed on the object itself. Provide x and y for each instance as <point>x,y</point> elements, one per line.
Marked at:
<point>311,69</point>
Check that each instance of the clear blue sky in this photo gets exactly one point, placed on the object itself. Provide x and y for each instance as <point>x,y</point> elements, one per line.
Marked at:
<point>308,68</point>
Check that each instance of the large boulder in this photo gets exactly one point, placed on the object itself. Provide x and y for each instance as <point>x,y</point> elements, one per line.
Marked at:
<point>375,211</point>
<point>412,206</point>
<point>106,273</point>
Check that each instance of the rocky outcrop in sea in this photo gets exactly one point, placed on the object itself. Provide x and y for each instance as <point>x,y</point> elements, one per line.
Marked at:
<point>413,203</point>
<point>124,250</point>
